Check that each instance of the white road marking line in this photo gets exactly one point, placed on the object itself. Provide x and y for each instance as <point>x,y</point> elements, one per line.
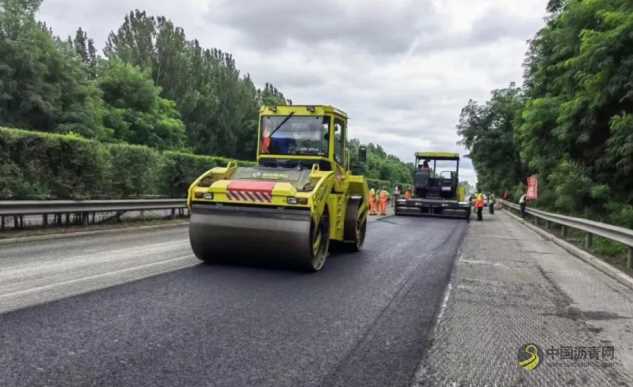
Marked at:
<point>92,277</point>
<point>110,256</point>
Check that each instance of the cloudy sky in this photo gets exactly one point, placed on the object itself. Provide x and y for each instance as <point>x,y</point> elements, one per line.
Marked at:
<point>401,69</point>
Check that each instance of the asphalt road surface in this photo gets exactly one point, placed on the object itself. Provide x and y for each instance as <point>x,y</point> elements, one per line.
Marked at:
<point>136,309</point>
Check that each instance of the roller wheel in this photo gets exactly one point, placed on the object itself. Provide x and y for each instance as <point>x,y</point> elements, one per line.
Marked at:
<point>319,244</point>
<point>355,226</point>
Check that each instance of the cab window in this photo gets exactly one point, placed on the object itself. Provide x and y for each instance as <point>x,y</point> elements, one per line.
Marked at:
<point>339,141</point>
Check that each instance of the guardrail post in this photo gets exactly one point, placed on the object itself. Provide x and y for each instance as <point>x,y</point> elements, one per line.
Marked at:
<point>588,240</point>
<point>45,220</point>
<point>629,259</point>
<point>2,223</point>
<point>563,231</point>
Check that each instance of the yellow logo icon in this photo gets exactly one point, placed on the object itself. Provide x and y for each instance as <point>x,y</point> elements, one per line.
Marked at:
<point>529,356</point>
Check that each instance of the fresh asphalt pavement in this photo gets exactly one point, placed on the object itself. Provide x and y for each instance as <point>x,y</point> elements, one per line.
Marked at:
<point>364,320</point>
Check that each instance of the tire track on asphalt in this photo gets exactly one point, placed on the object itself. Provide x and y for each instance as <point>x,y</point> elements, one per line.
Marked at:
<point>404,315</point>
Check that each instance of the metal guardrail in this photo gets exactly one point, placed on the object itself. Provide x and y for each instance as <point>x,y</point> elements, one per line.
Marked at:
<point>82,209</point>
<point>39,207</point>
<point>614,233</point>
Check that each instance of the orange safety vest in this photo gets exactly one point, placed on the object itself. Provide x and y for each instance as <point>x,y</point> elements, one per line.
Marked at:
<point>479,202</point>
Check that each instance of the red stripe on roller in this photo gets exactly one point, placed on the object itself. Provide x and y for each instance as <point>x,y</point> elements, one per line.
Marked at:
<point>252,185</point>
<point>251,190</point>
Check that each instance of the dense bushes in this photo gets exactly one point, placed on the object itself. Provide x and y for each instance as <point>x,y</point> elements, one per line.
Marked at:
<point>35,165</point>
<point>179,169</point>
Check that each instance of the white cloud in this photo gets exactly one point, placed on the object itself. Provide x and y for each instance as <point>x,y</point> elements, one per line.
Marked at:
<point>401,69</point>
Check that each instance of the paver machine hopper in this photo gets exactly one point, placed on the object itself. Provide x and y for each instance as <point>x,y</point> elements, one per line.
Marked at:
<point>300,196</point>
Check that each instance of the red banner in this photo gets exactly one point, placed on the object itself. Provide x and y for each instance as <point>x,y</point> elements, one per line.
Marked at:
<point>532,191</point>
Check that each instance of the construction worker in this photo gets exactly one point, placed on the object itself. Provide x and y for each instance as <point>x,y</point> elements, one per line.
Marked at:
<point>523,204</point>
<point>491,203</point>
<point>479,206</point>
<point>372,202</point>
<point>384,198</point>
<point>407,194</point>
<point>424,165</point>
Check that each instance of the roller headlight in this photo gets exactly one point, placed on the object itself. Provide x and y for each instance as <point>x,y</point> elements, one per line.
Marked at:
<point>295,201</point>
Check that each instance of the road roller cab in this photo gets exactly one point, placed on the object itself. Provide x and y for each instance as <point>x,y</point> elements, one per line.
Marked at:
<point>300,196</point>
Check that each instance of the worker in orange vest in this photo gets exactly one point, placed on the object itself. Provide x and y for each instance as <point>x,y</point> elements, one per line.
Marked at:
<point>372,202</point>
<point>407,194</point>
<point>384,198</point>
<point>479,206</point>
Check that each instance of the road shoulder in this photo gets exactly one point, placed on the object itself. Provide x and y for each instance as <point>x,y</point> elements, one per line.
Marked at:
<point>511,287</point>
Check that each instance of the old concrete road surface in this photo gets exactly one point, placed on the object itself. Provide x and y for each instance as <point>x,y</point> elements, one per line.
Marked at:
<point>512,288</point>
<point>136,309</point>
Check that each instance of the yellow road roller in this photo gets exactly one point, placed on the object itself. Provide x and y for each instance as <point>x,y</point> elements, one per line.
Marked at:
<point>299,197</point>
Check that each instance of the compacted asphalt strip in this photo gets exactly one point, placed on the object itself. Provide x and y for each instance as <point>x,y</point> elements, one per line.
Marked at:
<point>136,308</point>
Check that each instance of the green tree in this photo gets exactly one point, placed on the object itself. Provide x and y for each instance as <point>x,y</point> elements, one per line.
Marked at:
<point>134,109</point>
<point>270,96</point>
<point>217,104</point>
<point>42,84</point>
<point>555,5</point>
<point>573,124</point>
<point>85,48</point>
<point>380,165</point>
<point>488,133</point>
